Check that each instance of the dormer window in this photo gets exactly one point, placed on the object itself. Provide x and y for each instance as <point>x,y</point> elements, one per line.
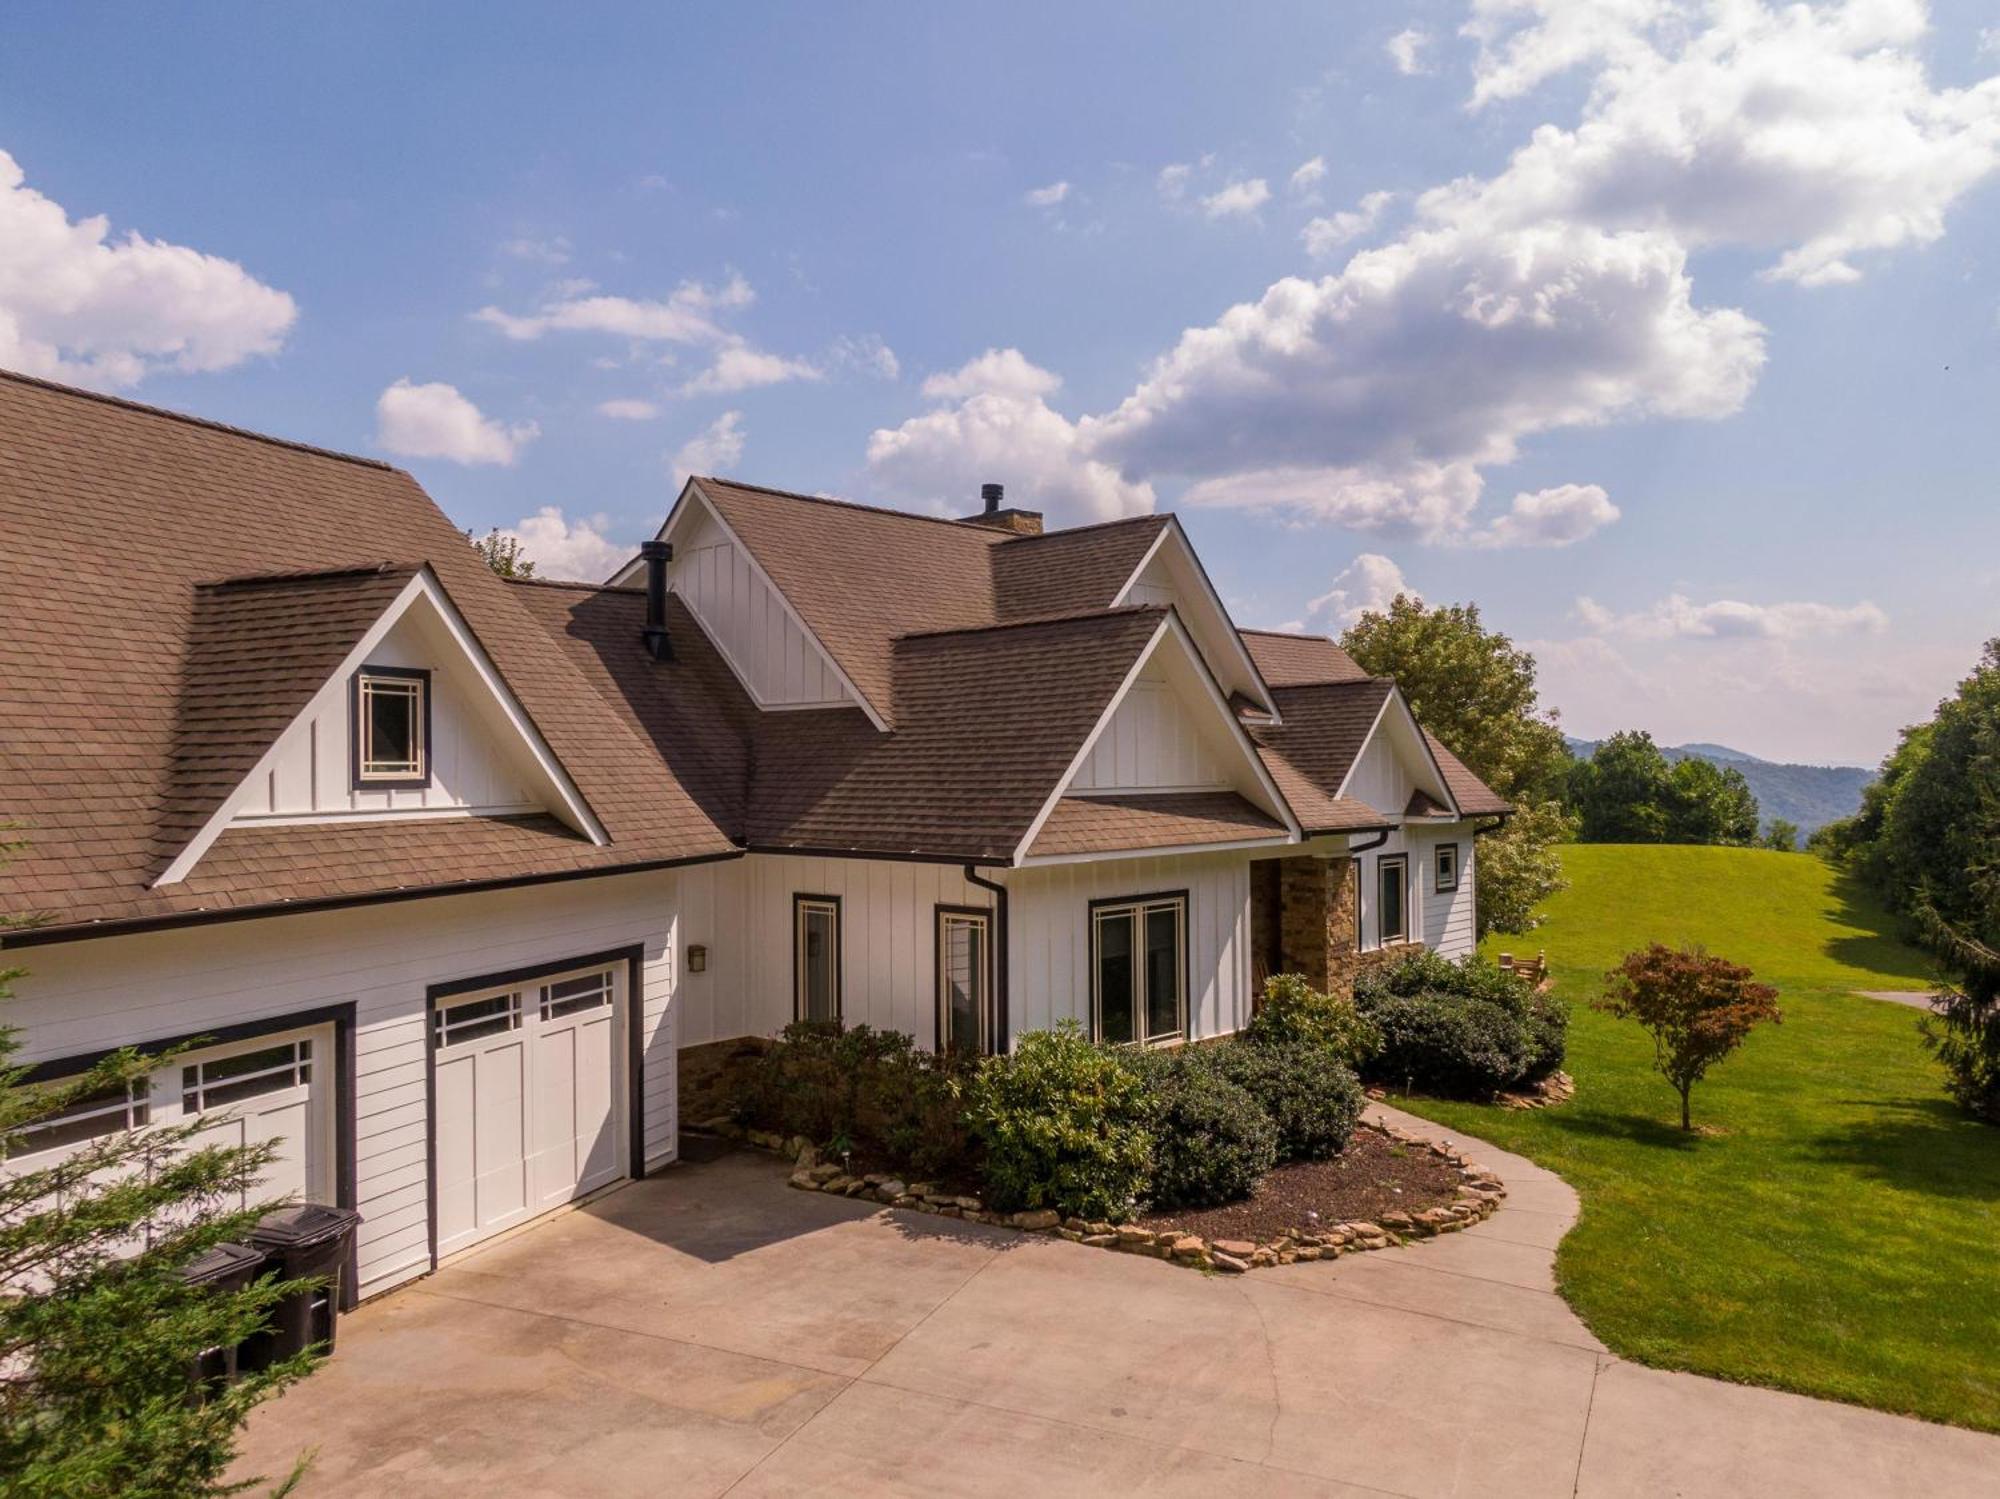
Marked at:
<point>392,728</point>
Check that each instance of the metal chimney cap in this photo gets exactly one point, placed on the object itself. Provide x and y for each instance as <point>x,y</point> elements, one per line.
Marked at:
<point>662,551</point>
<point>992,494</point>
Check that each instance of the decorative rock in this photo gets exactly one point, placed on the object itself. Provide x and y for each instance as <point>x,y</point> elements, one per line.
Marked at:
<point>890,1189</point>
<point>1309,1252</point>
<point>1100,1241</point>
<point>1070,1234</point>
<point>799,1145</point>
<point>1036,1220</point>
<point>804,1182</point>
<point>1242,1249</point>
<point>1095,1229</point>
<point>856,1187</point>
<point>922,1189</point>
<point>1131,1236</point>
<point>826,1171</point>
<point>1263,1257</point>
<point>908,1201</point>
<point>1288,1256</point>
<point>1076,1223</point>
<point>1188,1247</point>
<point>839,1183</point>
<point>1229,1264</point>
<point>967,1204</point>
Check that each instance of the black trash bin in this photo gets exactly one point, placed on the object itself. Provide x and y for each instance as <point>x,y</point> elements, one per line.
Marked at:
<point>223,1269</point>
<point>301,1242</point>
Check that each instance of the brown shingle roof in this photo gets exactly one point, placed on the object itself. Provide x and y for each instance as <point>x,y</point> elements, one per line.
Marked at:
<point>114,514</point>
<point>1311,751</point>
<point>1068,572</point>
<point>1106,824</point>
<point>1474,797</point>
<point>1299,660</point>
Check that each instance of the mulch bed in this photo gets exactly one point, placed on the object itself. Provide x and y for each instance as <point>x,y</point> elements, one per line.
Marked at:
<point>1374,1175</point>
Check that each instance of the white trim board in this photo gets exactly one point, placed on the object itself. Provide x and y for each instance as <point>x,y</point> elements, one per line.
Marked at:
<point>1191,561</point>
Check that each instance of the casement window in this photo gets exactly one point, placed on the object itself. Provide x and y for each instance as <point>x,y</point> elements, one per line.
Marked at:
<point>816,957</point>
<point>1138,970</point>
<point>1392,902</point>
<point>1447,868</point>
<point>392,728</point>
<point>965,979</point>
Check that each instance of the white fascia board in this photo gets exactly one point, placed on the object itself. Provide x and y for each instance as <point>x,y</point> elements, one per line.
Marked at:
<point>1170,851</point>
<point>1367,739</point>
<point>1430,759</point>
<point>1171,626</point>
<point>1395,699</point>
<point>1221,611</point>
<point>575,810</point>
<point>756,567</point>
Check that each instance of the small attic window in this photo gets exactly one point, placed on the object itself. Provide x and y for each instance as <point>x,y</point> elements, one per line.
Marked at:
<point>392,727</point>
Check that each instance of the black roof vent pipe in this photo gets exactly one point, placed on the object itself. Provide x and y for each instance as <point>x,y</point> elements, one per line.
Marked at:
<point>992,494</point>
<point>656,555</point>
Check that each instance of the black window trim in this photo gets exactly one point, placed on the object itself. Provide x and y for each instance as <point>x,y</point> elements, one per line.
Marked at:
<point>990,1020</point>
<point>1383,863</point>
<point>800,898</point>
<point>1438,869</point>
<point>1187,960</point>
<point>354,756</point>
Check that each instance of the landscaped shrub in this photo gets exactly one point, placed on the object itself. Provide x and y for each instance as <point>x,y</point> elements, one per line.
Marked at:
<point>1211,1139</point>
<point>1292,1010</point>
<point>864,1091</point>
<point>1312,1098</point>
<point>1465,1029</point>
<point>1062,1123</point>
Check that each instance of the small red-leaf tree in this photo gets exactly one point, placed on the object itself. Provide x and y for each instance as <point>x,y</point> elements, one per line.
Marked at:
<point>1699,1009</point>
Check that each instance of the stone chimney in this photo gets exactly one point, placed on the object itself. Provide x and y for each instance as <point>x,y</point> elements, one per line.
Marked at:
<point>1004,518</point>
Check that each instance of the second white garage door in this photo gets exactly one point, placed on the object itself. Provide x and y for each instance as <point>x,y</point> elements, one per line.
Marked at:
<point>530,1112</point>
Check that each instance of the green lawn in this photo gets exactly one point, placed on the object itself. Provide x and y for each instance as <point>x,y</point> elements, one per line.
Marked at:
<point>1836,1234</point>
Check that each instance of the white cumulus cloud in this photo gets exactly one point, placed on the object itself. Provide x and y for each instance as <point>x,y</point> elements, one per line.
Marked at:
<point>1367,585</point>
<point>740,367</point>
<point>1308,174</point>
<point>1677,617</point>
<point>688,315</point>
<point>628,409</point>
<point>562,548</point>
<point>435,421</point>
<point>1237,199</point>
<point>1556,517</point>
<point>995,423</point>
<point>1406,50</point>
<point>1324,235</point>
<point>716,449</point>
<point>78,304</point>
<point>1046,197</point>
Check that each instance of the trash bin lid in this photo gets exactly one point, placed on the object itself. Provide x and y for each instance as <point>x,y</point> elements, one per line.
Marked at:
<point>220,1263</point>
<point>294,1228</point>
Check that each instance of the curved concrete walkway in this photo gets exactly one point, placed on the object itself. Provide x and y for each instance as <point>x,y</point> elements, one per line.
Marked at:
<point>710,1331</point>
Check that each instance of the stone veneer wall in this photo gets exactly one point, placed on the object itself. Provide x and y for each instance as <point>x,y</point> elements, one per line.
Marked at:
<point>1316,935</point>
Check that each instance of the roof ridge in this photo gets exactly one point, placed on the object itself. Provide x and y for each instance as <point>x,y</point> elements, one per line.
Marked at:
<point>1096,525</point>
<point>981,533</point>
<point>1285,634</point>
<point>20,378</point>
<point>1121,611</point>
<point>311,575</point>
<point>575,583</point>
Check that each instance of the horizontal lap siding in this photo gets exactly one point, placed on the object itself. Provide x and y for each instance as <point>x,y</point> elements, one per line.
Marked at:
<point>1049,978</point>
<point>85,996</point>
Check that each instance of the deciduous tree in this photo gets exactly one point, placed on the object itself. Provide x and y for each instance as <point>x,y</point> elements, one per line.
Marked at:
<point>1698,1008</point>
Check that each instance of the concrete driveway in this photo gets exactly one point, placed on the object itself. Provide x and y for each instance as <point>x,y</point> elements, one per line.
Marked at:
<point>712,1331</point>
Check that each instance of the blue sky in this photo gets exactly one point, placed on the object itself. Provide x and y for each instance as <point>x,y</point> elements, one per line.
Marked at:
<point>1667,331</point>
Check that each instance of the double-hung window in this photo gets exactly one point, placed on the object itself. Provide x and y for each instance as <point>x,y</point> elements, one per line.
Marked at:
<point>1392,905</point>
<point>965,980</point>
<point>392,724</point>
<point>816,957</point>
<point>1138,970</point>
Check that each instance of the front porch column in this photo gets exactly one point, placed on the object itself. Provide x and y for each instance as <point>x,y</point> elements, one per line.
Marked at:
<point>1316,922</point>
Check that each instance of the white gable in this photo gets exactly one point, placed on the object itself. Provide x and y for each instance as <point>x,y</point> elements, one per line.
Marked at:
<point>1394,764</point>
<point>1171,576</point>
<point>1167,729</point>
<point>486,758</point>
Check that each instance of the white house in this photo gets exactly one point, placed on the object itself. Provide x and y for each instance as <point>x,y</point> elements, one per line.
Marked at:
<point>453,877</point>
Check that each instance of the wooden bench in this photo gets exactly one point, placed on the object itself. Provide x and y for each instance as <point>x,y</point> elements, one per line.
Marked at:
<point>1530,971</point>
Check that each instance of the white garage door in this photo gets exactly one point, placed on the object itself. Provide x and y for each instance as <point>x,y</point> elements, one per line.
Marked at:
<point>277,1087</point>
<point>529,1113</point>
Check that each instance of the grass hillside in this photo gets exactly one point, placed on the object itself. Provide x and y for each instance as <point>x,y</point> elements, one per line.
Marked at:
<point>1830,1231</point>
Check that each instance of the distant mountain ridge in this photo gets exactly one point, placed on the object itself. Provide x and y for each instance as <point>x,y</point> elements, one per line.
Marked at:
<point>1809,795</point>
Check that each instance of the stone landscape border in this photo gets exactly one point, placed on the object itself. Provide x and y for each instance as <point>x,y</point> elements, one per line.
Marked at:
<point>1478,1195</point>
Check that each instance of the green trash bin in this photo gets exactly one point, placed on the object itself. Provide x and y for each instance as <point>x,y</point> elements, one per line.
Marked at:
<point>224,1269</point>
<point>307,1241</point>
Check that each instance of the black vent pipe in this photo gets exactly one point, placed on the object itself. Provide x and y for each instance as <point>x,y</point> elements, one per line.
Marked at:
<point>657,554</point>
<point>992,495</point>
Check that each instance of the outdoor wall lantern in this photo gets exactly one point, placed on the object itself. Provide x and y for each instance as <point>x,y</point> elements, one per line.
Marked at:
<point>697,958</point>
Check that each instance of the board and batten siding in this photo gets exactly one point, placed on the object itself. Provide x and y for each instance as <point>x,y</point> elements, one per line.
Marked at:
<point>1443,921</point>
<point>1049,910</point>
<point>742,913</point>
<point>85,996</point>
<point>312,770</point>
<point>776,660</point>
<point>1154,741</point>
